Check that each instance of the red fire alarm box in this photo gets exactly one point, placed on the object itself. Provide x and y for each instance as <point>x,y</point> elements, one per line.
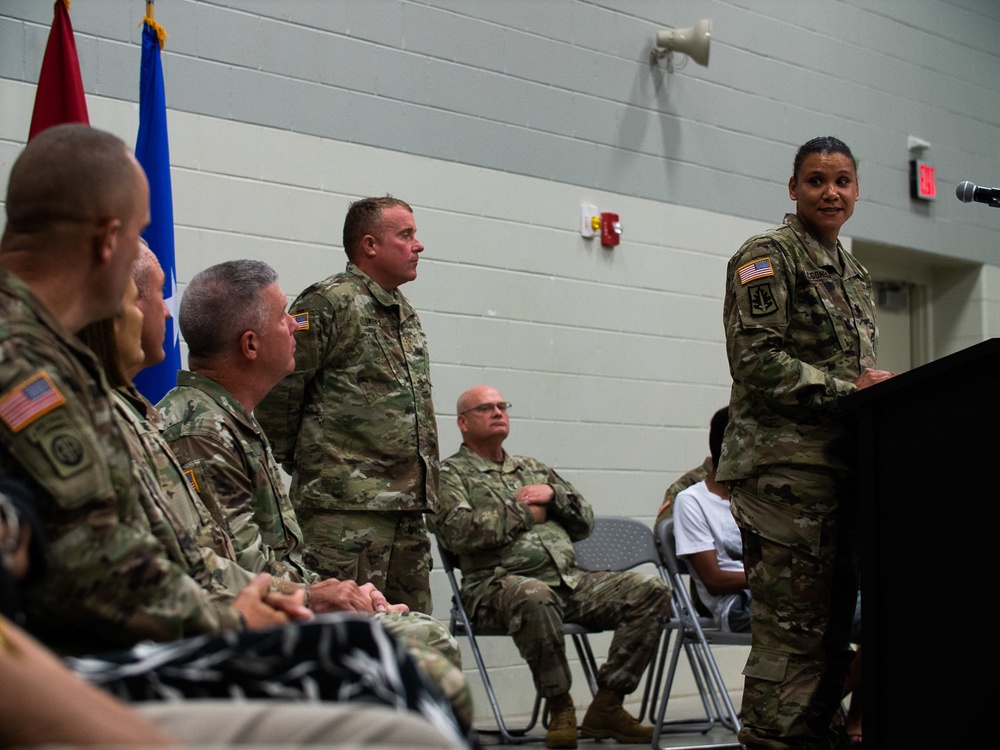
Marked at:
<point>611,229</point>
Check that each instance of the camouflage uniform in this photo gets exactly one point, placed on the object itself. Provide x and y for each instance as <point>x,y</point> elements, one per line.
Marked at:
<point>226,459</point>
<point>354,426</point>
<point>523,577</point>
<point>176,515</point>
<point>800,327</point>
<point>109,581</point>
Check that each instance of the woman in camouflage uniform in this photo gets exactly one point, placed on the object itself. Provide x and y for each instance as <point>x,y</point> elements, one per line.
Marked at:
<point>800,334</point>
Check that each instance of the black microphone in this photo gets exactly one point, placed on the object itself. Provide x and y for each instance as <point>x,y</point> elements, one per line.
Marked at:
<point>968,192</point>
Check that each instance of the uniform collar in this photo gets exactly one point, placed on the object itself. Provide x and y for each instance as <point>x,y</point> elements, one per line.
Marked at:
<point>218,394</point>
<point>385,298</point>
<point>838,260</point>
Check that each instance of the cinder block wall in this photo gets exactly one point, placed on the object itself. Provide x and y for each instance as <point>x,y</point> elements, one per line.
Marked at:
<point>496,124</point>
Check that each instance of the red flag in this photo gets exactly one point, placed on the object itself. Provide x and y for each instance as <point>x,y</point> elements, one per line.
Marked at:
<point>59,96</point>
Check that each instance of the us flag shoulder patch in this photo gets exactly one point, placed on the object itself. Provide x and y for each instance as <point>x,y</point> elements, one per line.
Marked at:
<point>192,482</point>
<point>756,270</point>
<point>29,400</point>
<point>301,321</point>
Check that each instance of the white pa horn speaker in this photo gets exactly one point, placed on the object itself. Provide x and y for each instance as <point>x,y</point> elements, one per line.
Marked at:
<point>692,41</point>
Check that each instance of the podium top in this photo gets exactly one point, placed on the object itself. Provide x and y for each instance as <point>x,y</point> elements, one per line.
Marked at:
<point>981,354</point>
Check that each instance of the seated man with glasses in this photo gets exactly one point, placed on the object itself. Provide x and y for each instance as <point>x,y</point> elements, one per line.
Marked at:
<point>512,522</point>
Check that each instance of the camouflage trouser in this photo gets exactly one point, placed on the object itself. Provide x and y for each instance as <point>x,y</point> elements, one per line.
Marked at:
<point>801,552</point>
<point>436,651</point>
<point>634,605</point>
<point>390,550</point>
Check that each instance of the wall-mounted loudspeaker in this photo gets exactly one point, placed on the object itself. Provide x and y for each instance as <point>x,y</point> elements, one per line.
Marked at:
<point>691,41</point>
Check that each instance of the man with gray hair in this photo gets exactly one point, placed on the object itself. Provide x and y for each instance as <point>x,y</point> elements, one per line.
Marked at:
<point>240,341</point>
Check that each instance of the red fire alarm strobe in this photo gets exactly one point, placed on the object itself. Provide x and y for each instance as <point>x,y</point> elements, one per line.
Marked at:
<point>611,229</point>
<point>922,184</point>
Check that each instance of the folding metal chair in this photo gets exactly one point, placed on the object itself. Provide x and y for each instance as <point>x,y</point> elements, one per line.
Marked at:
<point>695,635</point>
<point>620,544</point>
<point>461,625</point>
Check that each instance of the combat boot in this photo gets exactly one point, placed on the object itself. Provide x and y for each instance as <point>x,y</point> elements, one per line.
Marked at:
<point>562,722</point>
<point>607,720</point>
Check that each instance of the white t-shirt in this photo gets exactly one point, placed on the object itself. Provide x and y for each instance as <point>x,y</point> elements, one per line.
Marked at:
<point>703,521</point>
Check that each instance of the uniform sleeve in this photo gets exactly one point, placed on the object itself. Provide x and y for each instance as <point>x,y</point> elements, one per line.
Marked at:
<point>475,516</point>
<point>569,508</point>
<point>280,412</point>
<point>107,573</point>
<point>760,291</point>
<point>224,486</point>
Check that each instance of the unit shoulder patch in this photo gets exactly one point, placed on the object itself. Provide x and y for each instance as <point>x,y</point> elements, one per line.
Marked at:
<point>761,299</point>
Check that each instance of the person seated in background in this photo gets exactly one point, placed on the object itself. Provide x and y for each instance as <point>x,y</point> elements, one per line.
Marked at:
<point>707,537</point>
<point>240,340</point>
<point>512,522</point>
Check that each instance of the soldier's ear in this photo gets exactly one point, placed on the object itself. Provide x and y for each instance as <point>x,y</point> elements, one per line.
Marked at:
<point>249,345</point>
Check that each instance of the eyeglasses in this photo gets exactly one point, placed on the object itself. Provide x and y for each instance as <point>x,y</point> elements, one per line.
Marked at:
<point>487,408</point>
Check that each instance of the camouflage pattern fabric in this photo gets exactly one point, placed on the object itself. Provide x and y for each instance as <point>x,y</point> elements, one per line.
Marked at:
<point>389,550</point>
<point>687,479</point>
<point>800,327</point>
<point>797,338</point>
<point>233,469</point>
<point>109,582</point>
<point>801,559</point>
<point>354,424</point>
<point>176,515</point>
<point>336,657</point>
<point>227,461</point>
<point>523,577</point>
<point>436,652</point>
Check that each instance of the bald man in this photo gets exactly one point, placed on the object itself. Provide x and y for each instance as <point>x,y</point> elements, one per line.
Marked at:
<point>512,521</point>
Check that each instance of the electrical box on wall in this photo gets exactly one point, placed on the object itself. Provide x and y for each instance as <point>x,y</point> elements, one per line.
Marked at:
<point>590,221</point>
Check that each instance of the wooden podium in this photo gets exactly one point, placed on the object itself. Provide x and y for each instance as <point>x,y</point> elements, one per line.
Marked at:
<point>929,493</point>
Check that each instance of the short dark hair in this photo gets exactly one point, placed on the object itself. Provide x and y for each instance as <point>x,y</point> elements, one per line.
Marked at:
<point>365,217</point>
<point>221,303</point>
<point>69,173</point>
<point>825,144</point>
<point>716,429</point>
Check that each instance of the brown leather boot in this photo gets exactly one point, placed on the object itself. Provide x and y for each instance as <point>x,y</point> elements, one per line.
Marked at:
<point>607,720</point>
<point>562,722</point>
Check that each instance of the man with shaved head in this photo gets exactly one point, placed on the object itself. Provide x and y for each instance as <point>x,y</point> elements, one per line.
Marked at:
<point>512,522</point>
<point>77,201</point>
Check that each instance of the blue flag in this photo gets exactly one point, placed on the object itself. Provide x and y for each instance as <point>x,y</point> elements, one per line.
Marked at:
<point>154,155</point>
